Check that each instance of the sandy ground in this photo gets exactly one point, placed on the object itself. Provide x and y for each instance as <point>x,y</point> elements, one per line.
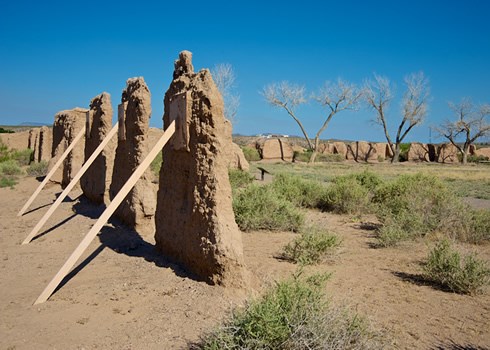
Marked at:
<point>122,295</point>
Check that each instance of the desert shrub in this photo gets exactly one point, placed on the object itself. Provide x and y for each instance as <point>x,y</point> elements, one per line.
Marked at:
<point>311,247</point>
<point>10,168</point>
<point>320,157</point>
<point>38,169</point>
<point>7,181</point>
<point>156,165</point>
<point>261,207</point>
<point>404,148</point>
<point>22,157</point>
<point>470,225</point>
<point>367,179</point>
<point>346,195</point>
<point>292,315</point>
<point>416,204</point>
<point>239,178</point>
<point>6,131</point>
<point>327,158</point>
<point>300,192</point>
<point>251,154</point>
<point>464,274</point>
<point>302,156</point>
<point>475,158</point>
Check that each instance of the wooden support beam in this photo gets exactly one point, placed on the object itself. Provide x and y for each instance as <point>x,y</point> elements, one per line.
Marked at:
<point>105,216</point>
<point>51,173</point>
<point>70,186</point>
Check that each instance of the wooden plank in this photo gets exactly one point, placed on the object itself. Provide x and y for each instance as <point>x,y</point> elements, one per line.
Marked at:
<point>70,186</point>
<point>51,173</point>
<point>105,216</point>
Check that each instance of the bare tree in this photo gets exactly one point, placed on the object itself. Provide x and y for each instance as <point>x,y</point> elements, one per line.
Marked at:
<point>414,106</point>
<point>471,124</point>
<point>335,97</point>
<point>224,78</point>
<point>288,96</point>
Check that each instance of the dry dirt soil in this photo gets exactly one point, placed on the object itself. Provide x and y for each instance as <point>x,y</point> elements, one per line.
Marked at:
<point>122,295</point>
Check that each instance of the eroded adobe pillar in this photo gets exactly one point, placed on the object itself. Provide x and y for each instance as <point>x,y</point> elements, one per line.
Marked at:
<point>195,223</point>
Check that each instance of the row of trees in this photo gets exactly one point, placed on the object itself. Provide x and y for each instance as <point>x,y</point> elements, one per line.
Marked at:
<point>470,124</point>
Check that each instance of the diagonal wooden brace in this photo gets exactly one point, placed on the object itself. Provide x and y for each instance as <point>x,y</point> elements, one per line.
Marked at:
<point>105,215</point>
<point>53,170</point>
<point>72,184</point>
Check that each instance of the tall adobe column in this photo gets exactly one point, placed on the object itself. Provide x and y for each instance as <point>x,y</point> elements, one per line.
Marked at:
<point>195,223</point>
<point>138,208</point>
<point>96,180</point>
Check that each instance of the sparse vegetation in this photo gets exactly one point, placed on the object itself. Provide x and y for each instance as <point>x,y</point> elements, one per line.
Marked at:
<point>351,194</point>
<point>156,164</point>
<point>312,246</point>
<point>38,169</point>
<point>300,192</point>
<point>293,315</point>
<point>239,178</point>
<point>261,207</point>
<point>447,267</point>
<point>251,154</point>
<point>413,206</point>
<point>305,157</point>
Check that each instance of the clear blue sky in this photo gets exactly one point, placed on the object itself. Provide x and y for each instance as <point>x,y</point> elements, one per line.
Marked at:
<point>58,55</point>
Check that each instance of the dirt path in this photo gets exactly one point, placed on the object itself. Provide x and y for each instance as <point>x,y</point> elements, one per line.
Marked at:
<point>124,296</point>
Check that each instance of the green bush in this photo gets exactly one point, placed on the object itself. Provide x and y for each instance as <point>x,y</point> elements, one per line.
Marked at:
<point>239,178</point>
<point>302,156</point>
<point>320,157</point>
<point>261,207</point>
<point>404,148</point>
<point>38,169</point>
<point>300,192</point>
<point>251,154</point>
<point>311,247</point>
<point>292,315</point>
<point>461,274</point>
<point>475,158</point>
<point>10,168</point>
<point>416,204</point>
<point>479,226</point>
<point>328,158</point>
<point>346,196</point>
<point>156,165</point>
<point>7,181</point>
<point>23,157</point>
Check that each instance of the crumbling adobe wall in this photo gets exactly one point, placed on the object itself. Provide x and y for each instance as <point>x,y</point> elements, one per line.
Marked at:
<point>138,208</point>
<point>67,125</point>
<point>33,143</point>
<point>45,141</point>
<point>195,223</point>
<point>97,179</point>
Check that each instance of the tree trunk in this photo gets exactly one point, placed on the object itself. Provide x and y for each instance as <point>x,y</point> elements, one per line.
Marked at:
<point>464,159</point>
<point>396,154</point>
<point>315,151</point>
